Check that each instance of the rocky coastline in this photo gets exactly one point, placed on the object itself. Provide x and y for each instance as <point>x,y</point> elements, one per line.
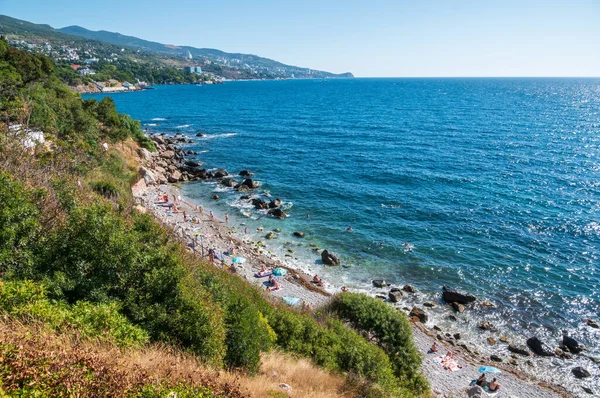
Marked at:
<point>173,164</point>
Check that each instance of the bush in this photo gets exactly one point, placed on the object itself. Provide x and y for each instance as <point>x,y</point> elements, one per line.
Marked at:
<point>19,227</point>
<point>28,301</point>
<point>392,331</point>
<point>248,334</point>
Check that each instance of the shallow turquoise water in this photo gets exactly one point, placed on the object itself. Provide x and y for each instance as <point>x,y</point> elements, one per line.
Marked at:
<point>490,185</point>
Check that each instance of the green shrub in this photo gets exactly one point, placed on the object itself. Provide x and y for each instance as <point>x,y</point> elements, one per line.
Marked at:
<point>392,331</point>
<point>105,188</point>
<point>19,227</point>
<point>26,300</point>
<point>248,334</point>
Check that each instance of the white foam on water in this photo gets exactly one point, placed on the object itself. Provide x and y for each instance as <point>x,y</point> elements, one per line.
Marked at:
<point>183,126</point>
<point>158,118</point>
<point>151,124</point>
<point>215,136</point>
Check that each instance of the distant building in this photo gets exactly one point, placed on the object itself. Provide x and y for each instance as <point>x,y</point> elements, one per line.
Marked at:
<point>86,72</point>
<point>192,69</point>
<point>75,67</point>
<point>91,60</point>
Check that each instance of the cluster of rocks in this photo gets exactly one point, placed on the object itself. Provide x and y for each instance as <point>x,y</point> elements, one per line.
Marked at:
<point>460,301</point>
<point>169,164</point>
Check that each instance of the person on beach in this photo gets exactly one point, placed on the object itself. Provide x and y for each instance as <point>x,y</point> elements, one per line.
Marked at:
<point>226,218</point>
<point>201,209</point>
<point>494,385</point>
<point>212,216</point>
<point>318,281</point>
<point>434,347</point>
<point>344,289</point>
<point>481,380</point>
<point>246,230</point>
<point>184,216</point>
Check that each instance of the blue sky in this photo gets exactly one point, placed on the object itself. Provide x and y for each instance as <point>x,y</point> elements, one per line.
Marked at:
<point>368,38</point>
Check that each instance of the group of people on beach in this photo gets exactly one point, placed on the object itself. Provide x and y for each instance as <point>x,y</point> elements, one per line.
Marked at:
<point>493,385</point>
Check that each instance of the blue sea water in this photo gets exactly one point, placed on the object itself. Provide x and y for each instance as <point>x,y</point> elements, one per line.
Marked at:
<point>488,185</point>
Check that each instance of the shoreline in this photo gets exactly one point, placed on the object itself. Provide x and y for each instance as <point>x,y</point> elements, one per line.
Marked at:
<point>219,235</point>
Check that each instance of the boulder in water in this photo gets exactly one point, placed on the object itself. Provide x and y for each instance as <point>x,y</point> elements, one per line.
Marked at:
<point>451,295</point>
<point>215,197</point>
<point>486,326</point>
<point>572,344</point>
<point>228,182</point>
<point>250,183</point>
<point>329,258</point>
<point>538,347</point>
<point>246,173</point>
<point>275,203</point>
<point>260,204</point>
<point>270,235</point>
<point>395,296</point>
<point>593,323</point>
<point>458,307</point>
<point>220,173</point>
<point>299,234</point>
<point>409,289</point>
<point>277,213</point>
<point>379,283</point>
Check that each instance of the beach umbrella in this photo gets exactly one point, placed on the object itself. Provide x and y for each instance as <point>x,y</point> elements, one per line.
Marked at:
<point>240,260</point>
<point>279,272</point>
<point>489,369</point>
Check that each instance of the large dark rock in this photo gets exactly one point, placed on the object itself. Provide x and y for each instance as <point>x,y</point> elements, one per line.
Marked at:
<point>260,204</point>
<point>572,344</point>
<point>379,283</point>
<point>519,349</point>
<point>246,173</point>
<point>191,163</point>
<point>496,358</point>
<point>228,182</point>
<point>409,289</point>
<point>420,314</point>
<point>329,258</point>
<point>299,234</point>
<point>395,296</point>
<point>158,139</point>
<point>220,173</point>
<point>580,372</point>
<point>245,197</point>
<point>593,323</point>
<point>454,296</point>
<point>277,213</point>
<point>538,347</point>
<point>275,203</point>
<point>250,183</point>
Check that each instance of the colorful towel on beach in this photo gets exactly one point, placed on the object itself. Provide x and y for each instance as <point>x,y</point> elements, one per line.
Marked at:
<point>451,365</point>
<point>262,275</point>
<point>291,300</point>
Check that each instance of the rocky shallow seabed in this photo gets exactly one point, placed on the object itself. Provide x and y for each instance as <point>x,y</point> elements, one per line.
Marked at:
<point>170,165</point>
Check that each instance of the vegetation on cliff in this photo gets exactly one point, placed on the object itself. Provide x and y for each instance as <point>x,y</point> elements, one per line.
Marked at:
<point>75,255</point>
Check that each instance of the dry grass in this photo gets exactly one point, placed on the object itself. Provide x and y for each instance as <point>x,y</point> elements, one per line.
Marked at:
<point>306,379</point>
<point>62,363</point>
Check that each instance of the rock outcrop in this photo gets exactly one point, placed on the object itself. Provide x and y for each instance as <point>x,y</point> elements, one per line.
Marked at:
<point>454,296</point>
<point>329,258</point>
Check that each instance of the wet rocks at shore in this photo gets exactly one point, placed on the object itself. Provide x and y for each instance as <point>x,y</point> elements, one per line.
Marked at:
<point>395,295</point>
<point>538,347</point>
<point>419,315</point>
<point>580,372</point>
<point>454,296</point>
<point>519,349</point>
<point>329,258</point>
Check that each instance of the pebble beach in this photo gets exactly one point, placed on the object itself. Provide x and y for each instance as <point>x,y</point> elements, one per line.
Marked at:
<point>213,233</point>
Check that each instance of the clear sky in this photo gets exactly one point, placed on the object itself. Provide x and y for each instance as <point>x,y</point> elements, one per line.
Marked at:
<point>368,38</point>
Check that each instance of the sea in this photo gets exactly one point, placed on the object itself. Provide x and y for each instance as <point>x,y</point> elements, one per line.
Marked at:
<point>488,185</point>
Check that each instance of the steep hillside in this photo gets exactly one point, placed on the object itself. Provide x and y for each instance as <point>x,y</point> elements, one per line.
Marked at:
<point>250,62</point>
<point>75,44</point>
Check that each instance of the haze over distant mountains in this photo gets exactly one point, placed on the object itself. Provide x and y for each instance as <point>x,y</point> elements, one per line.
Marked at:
<point>247,65</point>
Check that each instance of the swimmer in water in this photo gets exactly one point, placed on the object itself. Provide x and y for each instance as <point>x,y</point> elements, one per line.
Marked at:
<point>349,229</point>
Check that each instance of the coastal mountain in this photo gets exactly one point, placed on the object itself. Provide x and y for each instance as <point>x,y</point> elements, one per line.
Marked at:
<point>235,60</point>
<point>75,43</point>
